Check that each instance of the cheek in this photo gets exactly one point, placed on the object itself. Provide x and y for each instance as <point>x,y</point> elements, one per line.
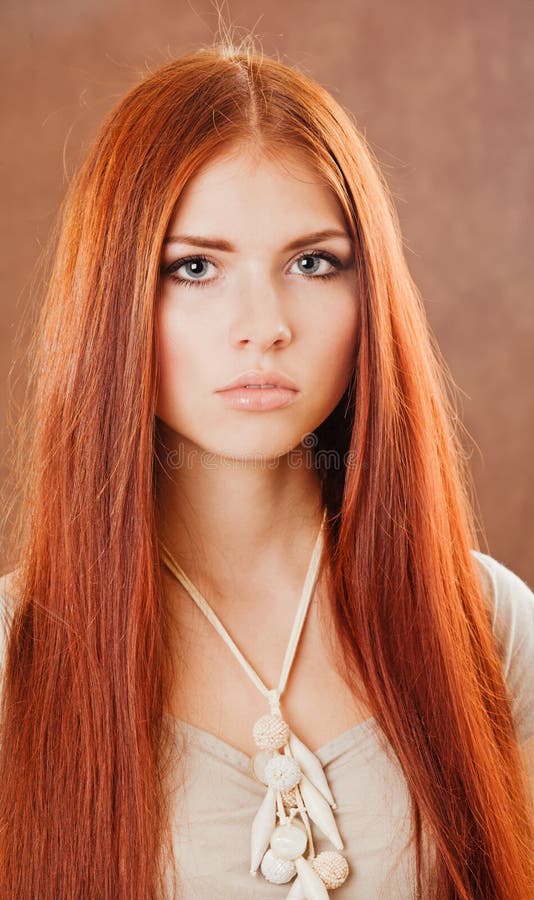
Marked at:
<point>167,340</point>
<point>172,354</point>
<point>338,340</point>
<point>188,350</point>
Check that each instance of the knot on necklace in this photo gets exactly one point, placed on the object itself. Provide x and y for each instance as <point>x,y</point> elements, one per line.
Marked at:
<point>274,701</point>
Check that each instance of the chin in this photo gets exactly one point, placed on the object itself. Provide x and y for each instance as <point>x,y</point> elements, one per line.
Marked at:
<point>265,452</point>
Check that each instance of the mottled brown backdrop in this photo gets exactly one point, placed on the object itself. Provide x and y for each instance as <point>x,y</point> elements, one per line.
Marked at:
<point>443,92</point>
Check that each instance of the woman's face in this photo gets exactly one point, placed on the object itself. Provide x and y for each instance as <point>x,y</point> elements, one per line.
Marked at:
<point>248,285</point>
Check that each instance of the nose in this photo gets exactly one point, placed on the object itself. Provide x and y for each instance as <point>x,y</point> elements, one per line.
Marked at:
<point>260,321</point>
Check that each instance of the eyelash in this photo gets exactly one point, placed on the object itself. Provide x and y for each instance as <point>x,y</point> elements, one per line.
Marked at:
<point>189,282</point>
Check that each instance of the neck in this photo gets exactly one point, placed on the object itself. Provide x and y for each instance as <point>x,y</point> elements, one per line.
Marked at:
<point>230,523</point>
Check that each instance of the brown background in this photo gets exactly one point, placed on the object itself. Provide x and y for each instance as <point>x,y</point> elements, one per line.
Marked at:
<point>443,92</point>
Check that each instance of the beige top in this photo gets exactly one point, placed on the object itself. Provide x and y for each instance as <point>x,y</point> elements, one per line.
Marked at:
<point>214,809</point>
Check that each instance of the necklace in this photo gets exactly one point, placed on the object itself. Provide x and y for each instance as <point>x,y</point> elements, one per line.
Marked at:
<point>297,789</point>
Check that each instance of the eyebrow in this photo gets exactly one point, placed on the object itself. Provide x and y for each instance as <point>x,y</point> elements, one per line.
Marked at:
<point>221,244</point>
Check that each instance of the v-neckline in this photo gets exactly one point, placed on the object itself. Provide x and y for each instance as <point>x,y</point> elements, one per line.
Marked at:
<point>325,754</point>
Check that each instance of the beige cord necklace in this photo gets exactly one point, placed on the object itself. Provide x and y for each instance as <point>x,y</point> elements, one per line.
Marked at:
<point>297,789</point>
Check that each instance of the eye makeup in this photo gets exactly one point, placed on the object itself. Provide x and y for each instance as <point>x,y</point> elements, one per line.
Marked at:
<point>171,270</point>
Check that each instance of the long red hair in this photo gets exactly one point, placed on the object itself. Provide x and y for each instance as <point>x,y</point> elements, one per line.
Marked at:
<point>84,746</point>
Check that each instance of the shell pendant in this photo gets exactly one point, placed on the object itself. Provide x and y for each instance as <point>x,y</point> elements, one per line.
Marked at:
<point>297,795</point>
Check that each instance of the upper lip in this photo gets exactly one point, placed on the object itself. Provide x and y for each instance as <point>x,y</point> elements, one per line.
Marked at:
<point>256,377</point>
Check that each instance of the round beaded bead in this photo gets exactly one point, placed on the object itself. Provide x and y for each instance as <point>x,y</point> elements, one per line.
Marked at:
<point>282,772</point>
<point>332,868</point>
<point>289,798</point>
<point>275,870</point>
<point>270,732</point>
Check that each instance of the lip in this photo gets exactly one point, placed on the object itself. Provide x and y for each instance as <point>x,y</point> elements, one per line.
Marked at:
<point>258,399</point>
<point>254,376</point>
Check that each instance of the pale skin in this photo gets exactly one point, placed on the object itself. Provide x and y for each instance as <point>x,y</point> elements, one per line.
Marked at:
<point>260,310</point>
<point>243,519</point>
<point>263,307</point>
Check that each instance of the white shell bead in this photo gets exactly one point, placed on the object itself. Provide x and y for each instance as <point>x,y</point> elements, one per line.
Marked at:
<point>258,763</point>
<point>262,828</point>
<point>319,812</point>
<point>332,868</point>
<point>289,841</point>
<point>282,772</point>
<point>297,891</point>
<point>270,732</point>
<point>277,871</point>
<point>311,767</point>
<point>314,888</point>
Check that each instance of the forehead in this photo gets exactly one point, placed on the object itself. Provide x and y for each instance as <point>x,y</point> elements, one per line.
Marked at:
<point>245,187</point>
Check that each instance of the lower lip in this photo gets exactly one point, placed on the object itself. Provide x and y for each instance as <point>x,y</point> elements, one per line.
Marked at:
<point>258,399</point>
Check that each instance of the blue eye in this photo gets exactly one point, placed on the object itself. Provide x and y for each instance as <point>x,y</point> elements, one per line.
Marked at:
<point>316,257</point>
<point>194,266</point>
<point>314,260</point>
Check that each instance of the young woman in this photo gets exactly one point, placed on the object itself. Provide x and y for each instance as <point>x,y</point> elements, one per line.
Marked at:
<point>250,647</point>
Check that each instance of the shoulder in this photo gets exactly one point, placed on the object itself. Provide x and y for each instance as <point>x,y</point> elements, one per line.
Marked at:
<point>511,607</point>
<point>9,585</point>
<point>8,595</point>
